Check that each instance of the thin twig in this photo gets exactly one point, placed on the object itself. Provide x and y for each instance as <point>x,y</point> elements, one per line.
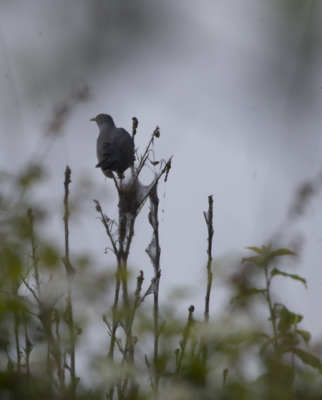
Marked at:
<point>154,252</point>
<point>33,248</point>
<point>28,348</point>
<point>106,222</point>
<point>122,256</point>
<point>45,318</point>
<point>138,301</point>
<point>209,222</point>
<point>118,274</point>
<point>134,126</point>
<point>130,340</point>
<point>16,332</point>
<point>30,289</point>
<point>70,271</point>
<point>186,334</point>
<point>271,310</point>
<point>145,156</point>
<point>149,370</point>
<point>115,324</point>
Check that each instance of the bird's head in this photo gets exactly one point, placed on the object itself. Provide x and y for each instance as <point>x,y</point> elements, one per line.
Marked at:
<point>103,119</point>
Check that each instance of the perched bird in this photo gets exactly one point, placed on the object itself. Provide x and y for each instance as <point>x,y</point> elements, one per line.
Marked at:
<point>115,147</point>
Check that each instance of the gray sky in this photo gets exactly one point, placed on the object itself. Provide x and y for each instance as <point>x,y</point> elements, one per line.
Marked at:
<point>236,89</point>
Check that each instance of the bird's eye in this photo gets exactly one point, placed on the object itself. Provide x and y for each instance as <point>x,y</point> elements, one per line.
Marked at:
<point>99,116</point>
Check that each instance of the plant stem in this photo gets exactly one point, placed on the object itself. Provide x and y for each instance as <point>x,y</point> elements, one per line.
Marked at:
<point>70,271</point>
<point>28,348</point>
<point>209,222</point>
<point>16,331</point>
<point>154,251</point>
<point>184,341</point>
<point>34,249</point>
<point>268,297</point>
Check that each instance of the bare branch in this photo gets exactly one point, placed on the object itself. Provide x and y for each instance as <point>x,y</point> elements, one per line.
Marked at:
<point>134,127</point>
<point>186,334</point>
<point>145,156</point>
<point>70,271</point>
<point>149,370</point>
<point>107,225</point>
<point>209,221</point>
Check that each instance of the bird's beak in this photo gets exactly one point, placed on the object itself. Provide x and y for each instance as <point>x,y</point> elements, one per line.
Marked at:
<point>93,119</point>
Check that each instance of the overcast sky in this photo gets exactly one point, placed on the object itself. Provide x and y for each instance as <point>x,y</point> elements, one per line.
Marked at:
<point>236,89</point>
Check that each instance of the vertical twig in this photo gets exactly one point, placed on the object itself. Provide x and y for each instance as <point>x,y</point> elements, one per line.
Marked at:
<point>137,301</point>
<point>16,331</point>
<point>114,314</point>
<point>156,133</point>
<point>122,256</point>
<point>108,224</point>
<point>209,222</point>
<point>70,271</point>
<point>183,343</point>
<point>130,343</point>
<point>27,349</point>
<point>154,252</point>
<point>16,309</point>
<point>45,316</point>
<point>34,249</point>
<point>271,310</point>
<point>134,126</point>
<point>149,370</point>
<point>126,233</point>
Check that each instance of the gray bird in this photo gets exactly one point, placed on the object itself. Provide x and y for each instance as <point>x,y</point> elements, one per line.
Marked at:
<point>115,147</point>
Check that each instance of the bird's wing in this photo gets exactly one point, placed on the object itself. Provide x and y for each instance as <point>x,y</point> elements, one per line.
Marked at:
<point>109,157</point>
<point>113,157</point>
<point>126,144</point>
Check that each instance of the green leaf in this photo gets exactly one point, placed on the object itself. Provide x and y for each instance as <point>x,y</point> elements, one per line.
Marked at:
<point>256,250</point>
<point>276,271</point>
<point>265,255</point>
<point>247,292</point>
<point>287,318</point>
<point>304,334</point>
<point>255,260</point>
<point>282,252</point>
<point>308,358</point>
<point>281,335</point>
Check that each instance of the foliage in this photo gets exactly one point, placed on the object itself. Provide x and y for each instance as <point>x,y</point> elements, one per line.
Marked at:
<point>160,357</point>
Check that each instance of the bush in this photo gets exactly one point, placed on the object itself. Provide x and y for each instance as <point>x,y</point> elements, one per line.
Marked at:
<point>159,357</point>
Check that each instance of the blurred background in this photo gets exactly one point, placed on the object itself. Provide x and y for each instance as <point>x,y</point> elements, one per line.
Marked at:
<point>236,89</point>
